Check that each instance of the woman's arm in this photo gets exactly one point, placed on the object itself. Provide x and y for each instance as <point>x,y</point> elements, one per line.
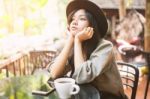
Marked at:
<point>58,67</point>
<point>86,34</point>
<point>78,54</point>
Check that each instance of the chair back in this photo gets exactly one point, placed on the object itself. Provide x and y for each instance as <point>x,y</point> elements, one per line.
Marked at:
<point>130,77</point>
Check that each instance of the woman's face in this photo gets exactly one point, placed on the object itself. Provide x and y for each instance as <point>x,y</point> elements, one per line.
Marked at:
<point>79,21</point>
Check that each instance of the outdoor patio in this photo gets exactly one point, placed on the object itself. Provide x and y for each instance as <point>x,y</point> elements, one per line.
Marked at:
<point>28,37</point>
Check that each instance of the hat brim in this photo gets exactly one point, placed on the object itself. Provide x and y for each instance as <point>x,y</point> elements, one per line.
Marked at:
<point>93,9</point>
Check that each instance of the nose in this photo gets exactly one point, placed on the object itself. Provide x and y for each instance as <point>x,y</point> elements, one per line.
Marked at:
<point>74,22</point>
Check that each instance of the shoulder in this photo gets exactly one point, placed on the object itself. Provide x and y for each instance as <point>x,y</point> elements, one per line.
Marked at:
<point>104,44</point>
<point>104,47</point>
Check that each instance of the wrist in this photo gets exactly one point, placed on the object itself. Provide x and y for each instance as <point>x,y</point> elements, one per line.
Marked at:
<point>70,39</point>
<point>77,40</point>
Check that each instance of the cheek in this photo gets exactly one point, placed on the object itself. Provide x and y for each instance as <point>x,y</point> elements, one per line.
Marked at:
<point>81,28</point>
<point>83,25</point>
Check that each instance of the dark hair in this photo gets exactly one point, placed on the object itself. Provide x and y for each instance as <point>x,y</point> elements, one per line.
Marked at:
<point>89,45</point>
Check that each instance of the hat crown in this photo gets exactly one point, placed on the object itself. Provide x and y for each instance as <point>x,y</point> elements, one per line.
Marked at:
<point>94,9</point>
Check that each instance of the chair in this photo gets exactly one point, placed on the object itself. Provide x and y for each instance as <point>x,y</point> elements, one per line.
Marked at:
<point>130,77</point>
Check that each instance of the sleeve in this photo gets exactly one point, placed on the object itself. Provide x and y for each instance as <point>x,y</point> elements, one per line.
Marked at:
<point>99,59</point>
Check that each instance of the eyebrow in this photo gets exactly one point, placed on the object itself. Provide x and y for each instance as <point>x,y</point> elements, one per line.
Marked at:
<point>80,16</point>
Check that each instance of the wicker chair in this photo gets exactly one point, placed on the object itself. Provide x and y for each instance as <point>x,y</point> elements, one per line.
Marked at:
<point>130,77</point>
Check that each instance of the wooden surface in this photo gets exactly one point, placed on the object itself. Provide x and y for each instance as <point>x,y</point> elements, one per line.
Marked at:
<point>141,88</point>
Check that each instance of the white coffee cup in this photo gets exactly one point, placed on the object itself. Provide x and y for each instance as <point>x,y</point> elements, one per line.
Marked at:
<point>65,87</point>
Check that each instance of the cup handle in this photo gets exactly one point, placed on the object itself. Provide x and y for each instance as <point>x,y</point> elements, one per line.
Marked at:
<point>51,83</point>
<point>77,89</point>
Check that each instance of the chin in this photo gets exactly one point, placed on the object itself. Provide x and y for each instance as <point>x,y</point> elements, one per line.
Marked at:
<point>74,32</point>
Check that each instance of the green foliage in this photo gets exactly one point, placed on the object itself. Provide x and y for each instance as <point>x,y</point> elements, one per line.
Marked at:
<point>61,10</point>
<point>40,3</point>
<point>5,19</point>
<point>20,86</point>
<point>21,9</point>
<point>28,14</point>
<point>3,74</point>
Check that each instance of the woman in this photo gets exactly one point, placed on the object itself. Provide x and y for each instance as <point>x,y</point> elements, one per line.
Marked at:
<point>86,54</point>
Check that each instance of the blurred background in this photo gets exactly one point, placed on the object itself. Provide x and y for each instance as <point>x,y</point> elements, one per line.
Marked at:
<point>28,23</point>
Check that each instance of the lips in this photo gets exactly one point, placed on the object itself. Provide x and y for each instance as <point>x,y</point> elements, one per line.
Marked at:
<point>74,28</point>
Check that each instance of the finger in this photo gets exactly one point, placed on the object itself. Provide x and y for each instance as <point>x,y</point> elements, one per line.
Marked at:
<point>84,30</point>
<point>91,29</point>
<point>87,32</point>
<point>87,29</point>
<point>91,32</point>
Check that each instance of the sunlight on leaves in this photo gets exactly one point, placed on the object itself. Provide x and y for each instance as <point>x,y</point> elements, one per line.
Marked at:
<point>40,3</point>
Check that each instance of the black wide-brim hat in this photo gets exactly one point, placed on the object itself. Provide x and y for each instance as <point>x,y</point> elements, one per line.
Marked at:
<point>93,9</point>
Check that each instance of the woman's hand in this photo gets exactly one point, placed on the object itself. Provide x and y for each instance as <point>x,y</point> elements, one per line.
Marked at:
<point>85,34</point>
<point>70,36</point>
